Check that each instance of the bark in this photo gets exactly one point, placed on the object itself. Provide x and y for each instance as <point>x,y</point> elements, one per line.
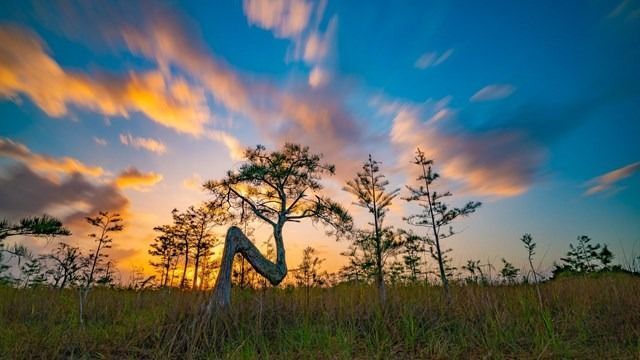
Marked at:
<point>236,242</point>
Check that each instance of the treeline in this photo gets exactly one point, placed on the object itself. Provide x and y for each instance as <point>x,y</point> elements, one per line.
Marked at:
<point>186,252</point>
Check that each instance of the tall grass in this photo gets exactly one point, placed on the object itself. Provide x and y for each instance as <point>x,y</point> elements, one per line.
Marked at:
<point>596,317</point>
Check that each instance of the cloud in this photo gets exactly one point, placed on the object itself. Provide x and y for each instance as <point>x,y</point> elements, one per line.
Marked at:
<point>193,182</point>
<point>286,18</point>
<point>25,193</point>
<point>318,77</point>
<point>499,163</point>
<point>45,163</point>
<point>152,145</point>
<point>298,20</point>
<point>27,69</point>
<point>608,181</point>
<point>100,141</point>
<point>236,150</point>
<point>318,118</point>
<point>430,59</point>
<point>493,92</point>
<point>136,179</point>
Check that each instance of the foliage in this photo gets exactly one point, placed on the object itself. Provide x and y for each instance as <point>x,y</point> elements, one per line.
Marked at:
<point>436,216</point>
<point>44,225</point>
<point>372,248</point>
<point>585,257</point>
<point>509,272</point>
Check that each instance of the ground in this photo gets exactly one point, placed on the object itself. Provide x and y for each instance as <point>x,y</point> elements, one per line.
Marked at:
<point>581,317</point>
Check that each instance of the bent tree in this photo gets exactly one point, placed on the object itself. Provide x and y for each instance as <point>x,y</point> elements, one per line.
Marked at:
<point>278,187</point>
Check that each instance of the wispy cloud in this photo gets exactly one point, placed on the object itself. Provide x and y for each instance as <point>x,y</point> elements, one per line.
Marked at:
<point>430,59</point>
<point>494,163</point>
<point>29,70</point>
<point>152,145</point>
<point>100,141</point>
<point>137,180</point>
<point>236,150</point>
<point>298,20</point>
<point>608,181</point>
<point>45,163</point>
<point>493,92</point>
<point>286,18</point>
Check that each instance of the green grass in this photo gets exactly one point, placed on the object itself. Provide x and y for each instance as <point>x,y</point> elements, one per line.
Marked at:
<point>581,318</point>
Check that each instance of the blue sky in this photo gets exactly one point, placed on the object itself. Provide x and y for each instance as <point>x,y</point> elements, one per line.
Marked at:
<point>530,107</point>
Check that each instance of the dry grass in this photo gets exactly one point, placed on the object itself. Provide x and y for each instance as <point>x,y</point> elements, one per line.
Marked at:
<point>595,317</point>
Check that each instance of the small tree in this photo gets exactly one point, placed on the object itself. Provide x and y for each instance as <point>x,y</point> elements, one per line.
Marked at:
<point>165,248</point>
<point>436,215</point>
<point>476,275</point>
<point>370,189</point>
<point>527,240</point>
<point>66,265</point>
<point>202,221</point>
<point>412,248</point>
<point>605,256</point>
<point>308,273</point>
<point>278,187</point>
<point>583,256</point>
<point>106,224</point>
<point>509,272</point>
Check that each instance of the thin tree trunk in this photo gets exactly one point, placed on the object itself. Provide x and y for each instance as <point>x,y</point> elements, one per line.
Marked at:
<point>186,264</point>
<point>236,242</point>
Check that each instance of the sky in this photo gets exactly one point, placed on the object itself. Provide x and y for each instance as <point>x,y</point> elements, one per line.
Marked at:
<point>531,107</point>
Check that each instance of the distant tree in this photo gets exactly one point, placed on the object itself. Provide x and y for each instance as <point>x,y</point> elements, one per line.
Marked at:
<point>476,275</point>
<point>278,187</point>
<point>509,272</point>
<point>165,248</point>
<point>370,189</point>
<point>202,220</point>
<point>412,249</point>
<point>356,269</point>
<point>66,266</point>
<point>583,256</point>
<point>308,274</point>
<point>182,231</point>
<point>396,272</point>
<point>436,215</point>
<point>605,256</point>
<point>106,224</point>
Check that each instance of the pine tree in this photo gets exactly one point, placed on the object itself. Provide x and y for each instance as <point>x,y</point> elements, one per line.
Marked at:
<point>370,189</point>
<point>436,216</point>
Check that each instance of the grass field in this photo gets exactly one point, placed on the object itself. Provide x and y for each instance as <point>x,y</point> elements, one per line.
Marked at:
<point>582,317</point>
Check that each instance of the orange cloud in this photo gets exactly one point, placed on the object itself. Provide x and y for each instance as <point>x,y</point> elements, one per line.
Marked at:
<point>27,69</point>
<point>607,181</point>
<point>45,163</point>
<point>236,149</point>
<point>136,179</point>
<point>152,145</point>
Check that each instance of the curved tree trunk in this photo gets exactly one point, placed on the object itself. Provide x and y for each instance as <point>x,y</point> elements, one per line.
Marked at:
<point>237,242</point>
